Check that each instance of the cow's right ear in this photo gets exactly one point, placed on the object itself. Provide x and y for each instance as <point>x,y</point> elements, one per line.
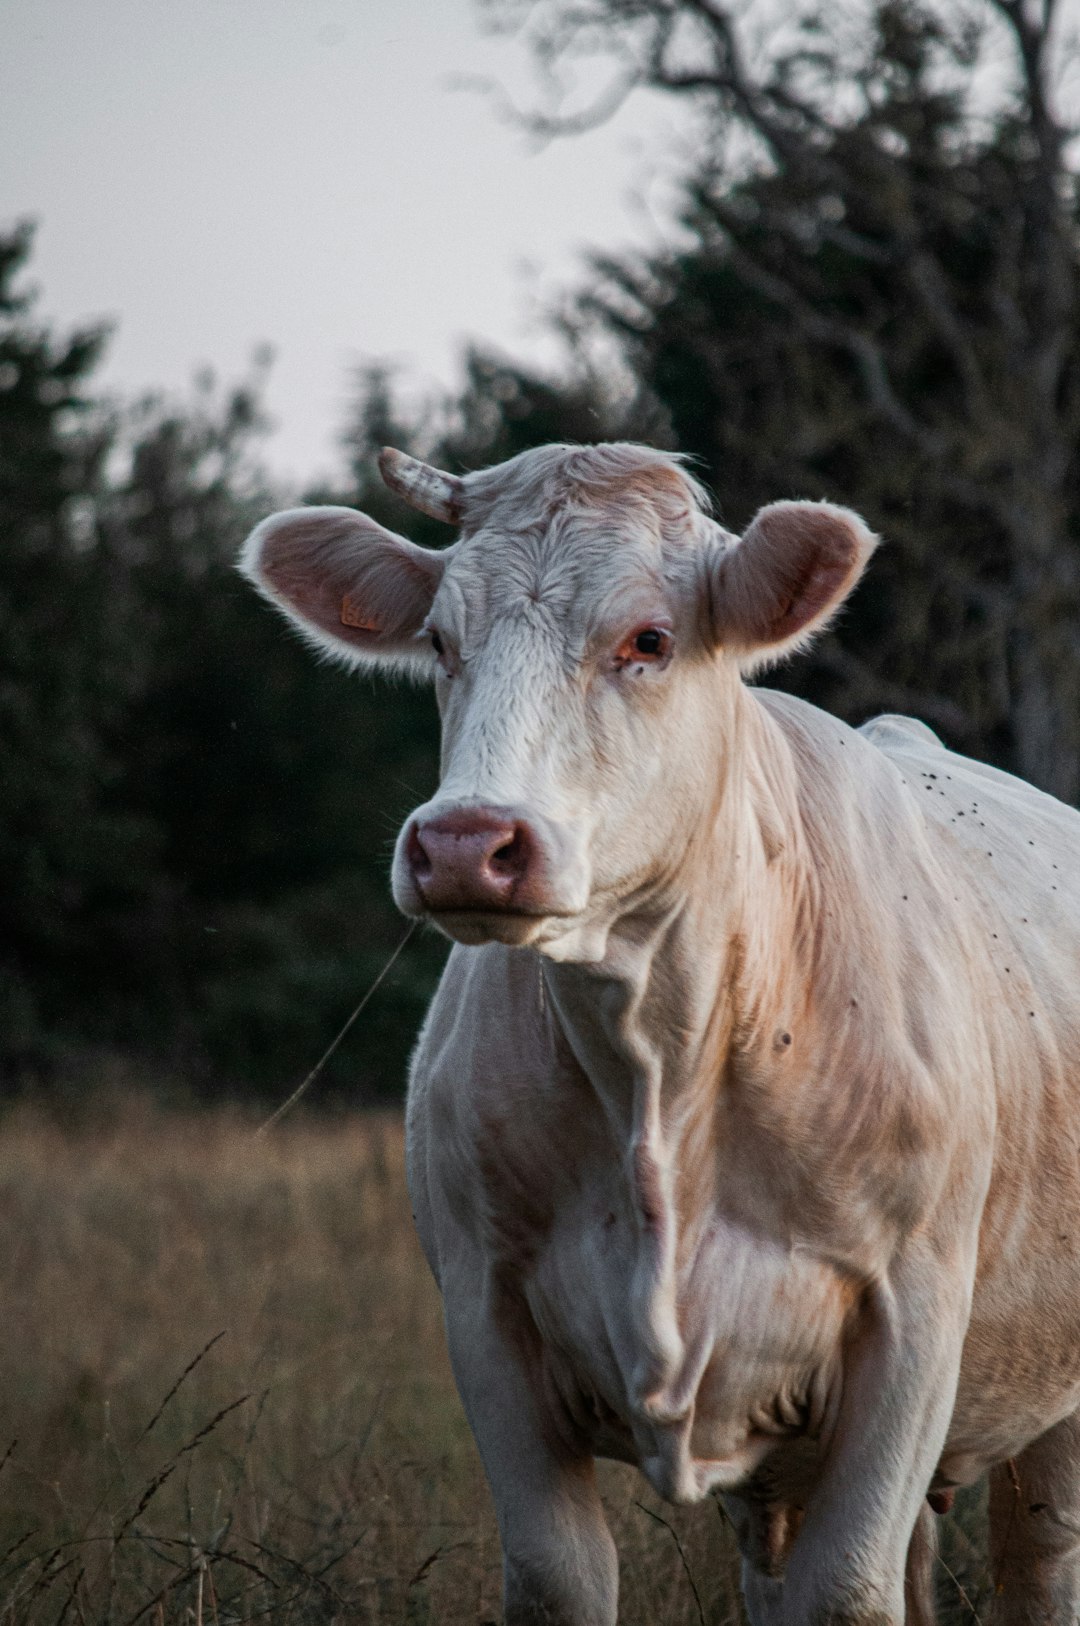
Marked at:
<point>355,590</point>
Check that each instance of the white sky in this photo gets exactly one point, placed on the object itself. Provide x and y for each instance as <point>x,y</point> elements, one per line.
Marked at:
<point>216,173</point>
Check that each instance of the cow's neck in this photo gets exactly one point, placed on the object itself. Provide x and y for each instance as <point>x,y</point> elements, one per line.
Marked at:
<point>694,979</point>
<point>695,966</point>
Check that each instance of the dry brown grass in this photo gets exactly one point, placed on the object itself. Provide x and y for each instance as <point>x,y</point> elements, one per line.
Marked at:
<point>314,1464</point>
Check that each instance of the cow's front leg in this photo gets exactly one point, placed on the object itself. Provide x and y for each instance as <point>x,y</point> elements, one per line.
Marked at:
<point>899,1384</point>
<point>559,1562</point>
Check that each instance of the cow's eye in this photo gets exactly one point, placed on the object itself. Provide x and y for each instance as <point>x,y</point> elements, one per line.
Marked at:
<point>437,644</point>
<point>646,647</point>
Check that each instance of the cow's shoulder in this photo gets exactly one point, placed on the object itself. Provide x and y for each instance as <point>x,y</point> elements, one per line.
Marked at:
<point>982,861</point>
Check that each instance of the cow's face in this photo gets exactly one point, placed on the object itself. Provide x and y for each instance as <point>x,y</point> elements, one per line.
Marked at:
<point>586,636</point>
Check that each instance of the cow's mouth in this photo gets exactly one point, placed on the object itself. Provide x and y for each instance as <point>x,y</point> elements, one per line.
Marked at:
<point>564,936</point>
<point>475,927</point>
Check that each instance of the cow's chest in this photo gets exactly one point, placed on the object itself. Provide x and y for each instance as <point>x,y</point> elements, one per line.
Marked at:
<point>686,1319</point>
<point>679,1332</point>
<point>695,1371</point>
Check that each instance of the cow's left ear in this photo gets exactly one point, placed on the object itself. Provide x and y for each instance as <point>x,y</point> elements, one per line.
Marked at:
<point>786,578</point>
<point>354,589</point>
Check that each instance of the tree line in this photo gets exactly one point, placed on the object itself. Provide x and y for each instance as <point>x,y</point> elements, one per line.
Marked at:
<point>875,300</point>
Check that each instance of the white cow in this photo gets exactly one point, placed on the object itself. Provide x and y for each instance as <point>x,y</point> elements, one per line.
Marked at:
<point>744,1129</point>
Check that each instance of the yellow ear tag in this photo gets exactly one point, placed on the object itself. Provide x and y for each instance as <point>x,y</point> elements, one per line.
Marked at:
<point>351,617</point>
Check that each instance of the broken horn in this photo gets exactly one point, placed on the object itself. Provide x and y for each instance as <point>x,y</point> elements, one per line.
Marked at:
<point>442,496</point>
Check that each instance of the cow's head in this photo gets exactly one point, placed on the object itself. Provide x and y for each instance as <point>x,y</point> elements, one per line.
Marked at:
<point>586,634</point>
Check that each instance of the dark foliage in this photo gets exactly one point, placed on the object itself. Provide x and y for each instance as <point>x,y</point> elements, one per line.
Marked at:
<point>196,820</point>
<point>877,301</point>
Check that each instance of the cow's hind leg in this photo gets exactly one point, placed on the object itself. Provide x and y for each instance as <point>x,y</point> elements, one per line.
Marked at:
<point>1035,1531</point>
<point>919,1608</point>
<point>765,1532</point>
<point>765,1536</point>
<point>763,1596</point>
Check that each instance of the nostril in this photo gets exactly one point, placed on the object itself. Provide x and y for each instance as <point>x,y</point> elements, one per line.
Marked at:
<point>509,851</point>
<point>417,855</point>
<point>511,857</point>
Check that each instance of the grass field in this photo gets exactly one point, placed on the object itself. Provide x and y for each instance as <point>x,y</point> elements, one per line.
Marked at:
<point>223,1378</point>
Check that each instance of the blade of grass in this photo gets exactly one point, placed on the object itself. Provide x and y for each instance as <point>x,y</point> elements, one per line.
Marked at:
<point>674,1534</point>
<point>301,1089</point>
<point>186,1373</point>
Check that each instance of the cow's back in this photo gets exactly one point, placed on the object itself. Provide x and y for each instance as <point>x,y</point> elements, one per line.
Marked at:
<point>1016,849</point>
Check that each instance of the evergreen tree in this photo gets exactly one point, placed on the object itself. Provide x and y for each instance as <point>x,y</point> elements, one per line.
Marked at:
<point>62,668</point>
<point>880,304</point>
<point>195,820</point>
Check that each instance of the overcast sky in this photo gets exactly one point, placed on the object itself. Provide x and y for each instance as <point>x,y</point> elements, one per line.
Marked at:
<point>215,173</point>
